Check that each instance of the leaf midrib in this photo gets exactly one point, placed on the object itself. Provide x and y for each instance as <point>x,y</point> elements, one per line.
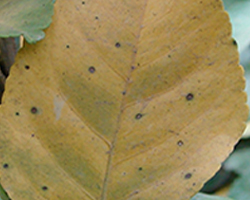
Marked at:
<point>122,106</point>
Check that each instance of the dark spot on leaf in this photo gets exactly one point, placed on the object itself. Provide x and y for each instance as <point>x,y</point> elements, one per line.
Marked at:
<point>117,45</point>
<point>17,113</point>
<point>138,64</point>
<point>32,135</point>
<point>169,56</point>
<point>124,92</point>
<point>83,2</point>
<point>188,176</point>
<point>138,116</point>
<point>189,96</point>
<point>5,165</point>
<point>132,67</point>
<point>33,110</point>
<point>140,169</point>
<point>234,42</point>
<point>92,69</point>
<point>67,46</point>
<point>44,188</point>
<point>27,67</point>
<point>180,143</point>
<point>96,17</point>
<point>194,184</point>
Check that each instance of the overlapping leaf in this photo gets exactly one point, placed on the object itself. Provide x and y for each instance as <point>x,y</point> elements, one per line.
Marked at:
<point>25,17</point>
<point>123,100</point>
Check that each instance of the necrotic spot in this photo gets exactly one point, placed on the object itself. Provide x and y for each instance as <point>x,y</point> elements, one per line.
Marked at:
<point>180,143</point>
<point>5,165</point>
<point>44,188</point>
<point>189,96</point>
<point>91,69</point>
<point>17,113</point>
<point>27,67</point>
<point>33,110</point>
<point>140,168</point>
<point>117,45</point>
<point>67,46</point>
<point>234,42</point>
<point>138,116</point>
<point>188,176</point>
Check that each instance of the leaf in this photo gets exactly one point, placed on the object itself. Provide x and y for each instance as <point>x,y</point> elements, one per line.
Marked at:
<point>239,161</point>
<point>25,17</point>
<point>123,100</point>
<point>240,19</point>
<point>239,15</point>
<point>240,189</point>
<point>201,196</point>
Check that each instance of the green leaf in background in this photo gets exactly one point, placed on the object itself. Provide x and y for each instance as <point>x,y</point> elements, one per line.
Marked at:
<point>240,18</point>
<point>239,162</point>
<point>25,17</point>
<point>3,195</point>
<point>201,196</point>
<point>240,189</point>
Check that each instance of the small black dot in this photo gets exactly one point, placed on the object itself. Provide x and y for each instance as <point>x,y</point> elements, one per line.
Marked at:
<point>169,56</point>
<point>132,67</point>
<point>44,188</point>
<point>17,113</point>
<point>67,46</point>
<point>138,116</point>
<point>188,176</point>
<point>5,165</point>
<point>124,92</point>
<point>83,2</point>
<point>32,135</point>
<point>117,45</point>
<point>27,67</point>
<point>189,96</point>
<point>234,42</point>
<point>92,69</point>
<point>33,110</point>
<point>140,169</point>
<point>96,17</point>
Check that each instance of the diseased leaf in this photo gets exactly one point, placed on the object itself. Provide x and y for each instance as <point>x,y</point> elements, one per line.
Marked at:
<point>240,18</point>
<point>123,100</point>
<point>25,17</point>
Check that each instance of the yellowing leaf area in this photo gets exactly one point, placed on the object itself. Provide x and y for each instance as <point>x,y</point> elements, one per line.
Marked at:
<point>123,100</point>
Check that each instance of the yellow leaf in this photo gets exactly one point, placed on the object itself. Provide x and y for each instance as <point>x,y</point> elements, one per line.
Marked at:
<point>123,100</point>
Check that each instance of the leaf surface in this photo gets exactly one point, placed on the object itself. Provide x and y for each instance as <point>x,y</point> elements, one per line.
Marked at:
<point>123,100</point>
<point>25,17</point>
